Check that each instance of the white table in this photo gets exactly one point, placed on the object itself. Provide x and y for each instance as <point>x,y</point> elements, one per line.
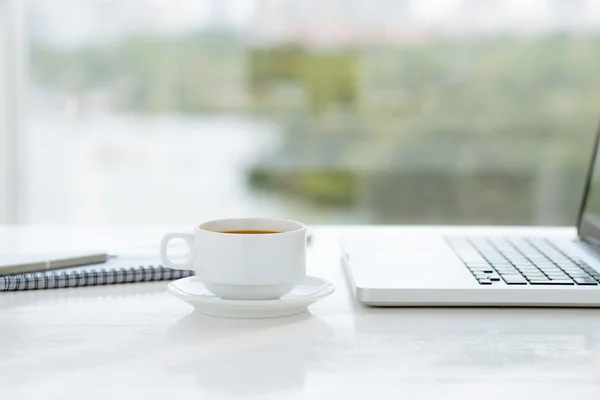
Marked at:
<point>138,342</point>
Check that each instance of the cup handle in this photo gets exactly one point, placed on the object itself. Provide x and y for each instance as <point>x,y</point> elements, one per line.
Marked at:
<point>189,239</point>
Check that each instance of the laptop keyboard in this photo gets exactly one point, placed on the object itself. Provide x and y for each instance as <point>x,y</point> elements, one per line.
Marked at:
<point>521,261</point>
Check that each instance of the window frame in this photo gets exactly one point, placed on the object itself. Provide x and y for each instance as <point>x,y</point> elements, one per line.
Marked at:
<point>12,70</point>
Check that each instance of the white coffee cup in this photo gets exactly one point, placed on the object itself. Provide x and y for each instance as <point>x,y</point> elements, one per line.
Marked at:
<point>244,266</point>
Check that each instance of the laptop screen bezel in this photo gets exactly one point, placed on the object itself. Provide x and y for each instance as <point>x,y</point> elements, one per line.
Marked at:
<point>586,231</point>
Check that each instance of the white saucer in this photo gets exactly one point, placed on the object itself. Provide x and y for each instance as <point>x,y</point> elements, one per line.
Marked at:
<point>309,290</point>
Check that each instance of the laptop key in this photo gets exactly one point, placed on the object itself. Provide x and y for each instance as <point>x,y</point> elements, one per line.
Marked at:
<point>587,268</point>
<point>559,278</point>
<point>574,272</point>
<point>537,279</point>
<point>515,280</point>
<point>553,282</point>
<point>530,271</point>
<point>483,270</point>
<point>553,272</point>
<point>550,273</point>
<point>484,281</point>
<point>592,272</point>
<point>578,275</point>
<point>534,275</point>
<point>549,268</point>
<point>512,276</point>
<point>585,281</point>
<point>564,265</point>
<point>557,275</point>
<point>509,272</point>
<point>477,263</point>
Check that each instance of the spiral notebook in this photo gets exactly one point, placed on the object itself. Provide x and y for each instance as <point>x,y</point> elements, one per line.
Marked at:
<point>88,276</point>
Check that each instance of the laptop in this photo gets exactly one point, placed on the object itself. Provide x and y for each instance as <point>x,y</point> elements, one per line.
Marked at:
<point>481,266</point>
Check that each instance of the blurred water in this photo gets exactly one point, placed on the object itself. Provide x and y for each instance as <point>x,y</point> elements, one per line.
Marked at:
<point>143,169</point>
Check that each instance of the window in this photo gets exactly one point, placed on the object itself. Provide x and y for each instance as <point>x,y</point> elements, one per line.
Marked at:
<point>4,185</point>
<point>356,111</point>
<point>11,79</point>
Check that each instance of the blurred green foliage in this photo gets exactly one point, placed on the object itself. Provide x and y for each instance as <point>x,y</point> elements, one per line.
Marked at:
<point>495,77</point>
<point>328,79</point>
<point>337,188</point>
<point>513,105</point>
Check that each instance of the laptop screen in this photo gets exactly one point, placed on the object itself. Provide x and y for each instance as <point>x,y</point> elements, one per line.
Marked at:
<point>589,215</point>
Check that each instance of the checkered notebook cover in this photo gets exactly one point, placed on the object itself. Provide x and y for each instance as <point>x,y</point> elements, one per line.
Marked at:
<point>89,276</point>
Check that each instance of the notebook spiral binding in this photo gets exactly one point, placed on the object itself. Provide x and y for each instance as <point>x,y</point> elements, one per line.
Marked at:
<point>92,276</point>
